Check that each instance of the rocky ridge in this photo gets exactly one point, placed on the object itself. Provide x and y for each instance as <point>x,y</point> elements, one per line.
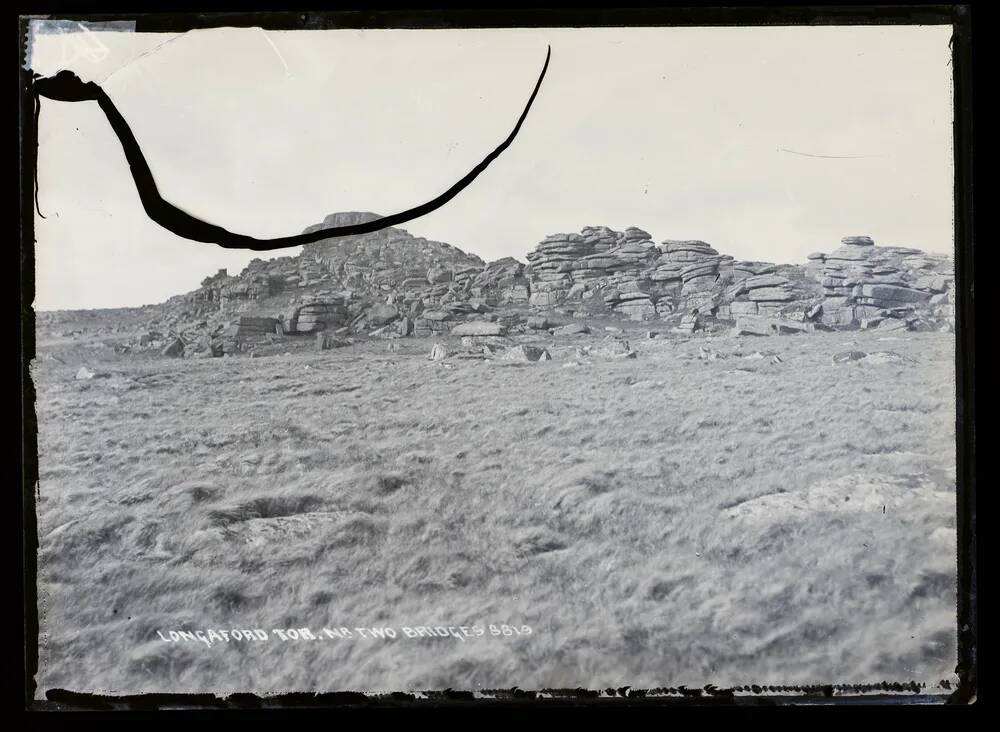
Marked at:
<point>392,284</point>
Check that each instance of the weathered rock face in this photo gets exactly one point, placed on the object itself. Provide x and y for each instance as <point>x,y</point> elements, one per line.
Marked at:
<point>316,315</point>
<point>502,282</point>
<point>365,281</point>
<point>626,273</point>
<point>381,314</point>
<point>857,285</point>
<point>417,287</point>
<point>612,269</point>
<point>389,262</point>
<point>864,284</point>
<point>174,349</point>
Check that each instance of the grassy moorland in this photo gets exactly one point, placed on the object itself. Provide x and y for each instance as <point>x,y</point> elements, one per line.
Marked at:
<point>679,518</point>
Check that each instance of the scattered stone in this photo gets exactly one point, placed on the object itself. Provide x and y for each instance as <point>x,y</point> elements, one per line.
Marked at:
<point>526,353</point>
<point>438,352</point>
<point>572,329</point>
<point>174,350</point>
<point>845,356</point>
<point>617,347</point>
<point>479,328</point>
<point>689,324</point>
<point>477,341</point>
<point>870,323</point>
<point>435,315</point>
<point>326,341</point>
<point>889,324</point>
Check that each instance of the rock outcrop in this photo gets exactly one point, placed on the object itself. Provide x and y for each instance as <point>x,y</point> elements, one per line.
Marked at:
<point>692,284</point>
<point>866,285</point>
<point>629,274</point>
<point>391,284</point>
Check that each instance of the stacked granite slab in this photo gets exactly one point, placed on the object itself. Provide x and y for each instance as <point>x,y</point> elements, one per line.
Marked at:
<point>550,265</point>
<point>695,265</point>
<point>316,316</point>
<point>442,318</point>
<point>743,269</point>
<point>814,265</point>
<point>634,293</point>
<point>247,326</point>
<point>502,282</point>
<point>231,338</point>
<point>633,276</point>
<point>863,283</point>
<point>601,238</point>
<point>769,292</point>
<point>463,276</point>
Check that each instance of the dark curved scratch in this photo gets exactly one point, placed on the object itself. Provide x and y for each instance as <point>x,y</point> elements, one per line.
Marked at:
<point>67,87</point>
<point>38,109</point>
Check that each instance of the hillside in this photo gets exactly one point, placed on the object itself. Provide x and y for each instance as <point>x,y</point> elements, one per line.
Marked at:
<point>392,284</point>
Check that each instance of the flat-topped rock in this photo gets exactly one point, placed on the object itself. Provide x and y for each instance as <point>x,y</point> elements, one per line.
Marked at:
<point>479,328</point>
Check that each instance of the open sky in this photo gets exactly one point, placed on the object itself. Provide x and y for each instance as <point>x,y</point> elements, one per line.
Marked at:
<point>768,142</point>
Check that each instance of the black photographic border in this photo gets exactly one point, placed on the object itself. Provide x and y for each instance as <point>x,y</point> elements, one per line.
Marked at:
<point>24,542</point>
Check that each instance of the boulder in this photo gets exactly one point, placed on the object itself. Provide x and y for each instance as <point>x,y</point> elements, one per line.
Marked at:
<point>382,314</point>
<point>526,353</point>
<point>617,347</point>
<point>175,349</point>
<point>572,329</point>
<point>436,315</point>
<point>752,326</point>
<point>892,293</point>
<point>845,356</point>
<point>477,341</point>
<point>326,341</point>
<point>479,328</point>
<point>84,373</point>
<point>689,324</point>
<point>891,324</point>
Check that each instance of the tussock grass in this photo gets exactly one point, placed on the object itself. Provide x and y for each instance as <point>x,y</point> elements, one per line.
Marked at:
<point>660,521</point>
